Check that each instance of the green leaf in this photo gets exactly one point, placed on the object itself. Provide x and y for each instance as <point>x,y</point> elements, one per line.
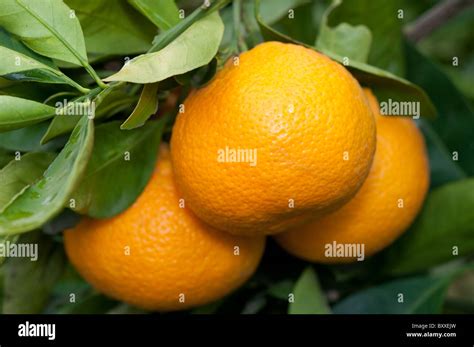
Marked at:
<point>167,37</point>
<point>18,113</point>
<point>20,174</point>
<point>446,221</point>
<point>48,27</point>
<point>164,14</point>
<point>306,28</point>
<point>5,241</point>
<point>5,157</point>
<point>443,168</point>
<point>28,139</point>
<point>282,289</point>
<point>194,48</point>
<point>111,182</point>
<point>421,295</point>
<point>9,41</point>
<point>267,31</point>
<point>28,283</point>
<point>146,107</point>
<point>455,123</point>
<point>308,295</point>
<point>112,27</point>
<point>21,64</point>
<point>377,17</point>
<point>46,198</point>
<point>28,90</point>
<point>274,10</point>
<point>347,40</point>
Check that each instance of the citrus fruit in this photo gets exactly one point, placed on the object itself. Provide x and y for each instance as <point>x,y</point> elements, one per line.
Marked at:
<point>384,207</point>
<point>159,256</point>
<point>281,133</point>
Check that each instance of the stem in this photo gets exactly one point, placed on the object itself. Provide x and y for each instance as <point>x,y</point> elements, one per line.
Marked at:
<point>76,85</point>
<point>434,18</point>
<point>57,95</point>
<point>237,14</point>
<point>94,75</point>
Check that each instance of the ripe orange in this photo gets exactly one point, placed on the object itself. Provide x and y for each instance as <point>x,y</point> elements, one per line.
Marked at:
<point>279,135</point>
<point>383,208</point>
<point>158,256</point>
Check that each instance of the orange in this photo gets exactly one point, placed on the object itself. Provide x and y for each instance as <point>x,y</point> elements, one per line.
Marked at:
<point>384,207</point>
<point>158,256</point>
<point>280,134</point>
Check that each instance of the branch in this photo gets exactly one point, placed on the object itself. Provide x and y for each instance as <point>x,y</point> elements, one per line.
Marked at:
<point>434,18</point>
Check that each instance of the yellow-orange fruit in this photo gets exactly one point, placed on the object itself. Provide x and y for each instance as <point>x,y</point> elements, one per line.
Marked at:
<point>280,134</point>
<point>384,207</point>
<point>159,256</point>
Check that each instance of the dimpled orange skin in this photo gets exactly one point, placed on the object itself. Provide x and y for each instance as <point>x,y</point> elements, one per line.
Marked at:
<point>373,217</point>
<point>171,252</point>
<point>303,113</point>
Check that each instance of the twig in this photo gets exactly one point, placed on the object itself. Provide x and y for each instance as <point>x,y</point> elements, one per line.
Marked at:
<point>435,17</point>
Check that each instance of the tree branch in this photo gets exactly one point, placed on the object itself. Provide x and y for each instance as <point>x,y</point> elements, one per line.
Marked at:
<point>434,18</point>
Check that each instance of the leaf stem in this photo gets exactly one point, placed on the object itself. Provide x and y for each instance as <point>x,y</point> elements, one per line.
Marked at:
<point>237,15</point>
<point>76,85</point>
<point>94,75</point>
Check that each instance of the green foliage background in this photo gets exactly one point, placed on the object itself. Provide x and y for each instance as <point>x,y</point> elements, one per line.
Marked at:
<point>83,58</point>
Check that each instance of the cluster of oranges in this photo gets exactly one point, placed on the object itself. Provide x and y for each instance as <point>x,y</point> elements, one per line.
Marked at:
<point>326,168</point>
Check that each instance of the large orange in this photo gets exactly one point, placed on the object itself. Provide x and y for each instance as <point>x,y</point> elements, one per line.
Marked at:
<point>158,256</point>
<point>384,207</point>
<point>281,133</point>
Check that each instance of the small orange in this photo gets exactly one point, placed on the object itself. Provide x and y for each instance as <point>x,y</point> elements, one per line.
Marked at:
<point>384,207</point>
<point>158,256</point>
<point>280,134</point>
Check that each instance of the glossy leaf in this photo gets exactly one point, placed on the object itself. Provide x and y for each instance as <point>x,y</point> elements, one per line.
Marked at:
<point>347,40</point>
<point>28,139</point>
<point>380,18</point>
<point>308,295</point>
<point>20,174</point>
<point>455,123</point>
<point>46,198</point>
<point>164,14</point>
<point>48,27</point>
<point>18,113</point>
<point>19,63</point>
<point>165,38</point>
<point>113,27</point>
<point>194,48</point>
<point>5,157</point>
<point>28,284</point>
<point>443,168</point>
<point>119,169</point>
<point>442,232</point>
<point>146,107</point>
<point>416,295</point>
